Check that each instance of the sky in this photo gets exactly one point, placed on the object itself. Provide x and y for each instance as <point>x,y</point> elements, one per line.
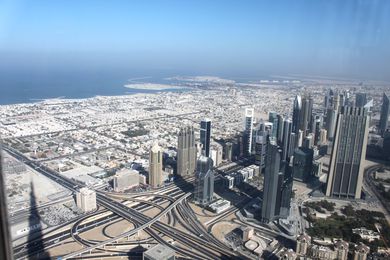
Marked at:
<point>332,38</point>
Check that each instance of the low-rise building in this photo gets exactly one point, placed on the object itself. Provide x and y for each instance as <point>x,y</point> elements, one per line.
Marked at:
<point>86,199</point>
<point>125,179</point>
<point>220,205</point>
<point>159,252</point>
<point>361,251</point>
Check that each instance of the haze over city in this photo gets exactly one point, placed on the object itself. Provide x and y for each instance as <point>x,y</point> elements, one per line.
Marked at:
<point>164,130</point>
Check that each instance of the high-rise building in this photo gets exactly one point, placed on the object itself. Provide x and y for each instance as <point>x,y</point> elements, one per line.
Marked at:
<point>287,129</point>
<point>349,151</point>
<point>302,113</point>
<point>155,166</point>
<point>5,237</point>
<point>125,179</point>
<point>280,129</point>
<point>216,154</point>
<point>297,111</point>
<point>361,251</point>
<point>204,181</point>
<point>302,164</point>
<point>286,189</point>
<point>386,144</point>
<point>273,118</point>
<point>360,99</point>
<point>385,111</point>
<point>322,139</point>
<point>86,200</point>
<point>248,130</point>
<point>308,141</point>
<point>205,136</point>
<point>186,152</point>
<point>328,102</point>
<point>271,183</point>
<point>229,151</point>
<point>303,243</point>
<point>261,146</point>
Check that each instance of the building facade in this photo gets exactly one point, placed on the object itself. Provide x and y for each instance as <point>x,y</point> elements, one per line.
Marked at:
<point>204,181</point>
<point>155,166</point>
<point>86,200</point>
<point>205,136</point>
<point>186,152</point>
<point>349,151</point>
<point>385,111</point>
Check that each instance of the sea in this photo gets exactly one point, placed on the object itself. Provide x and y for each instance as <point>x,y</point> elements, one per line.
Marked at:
<point>31,87</point>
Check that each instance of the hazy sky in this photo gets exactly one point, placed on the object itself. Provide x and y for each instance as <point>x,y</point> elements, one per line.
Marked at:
<point>348,38</point>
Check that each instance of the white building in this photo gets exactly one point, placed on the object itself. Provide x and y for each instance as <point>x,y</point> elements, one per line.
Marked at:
<point>219,206</point>
<point>86,200</point>
<point>125,179</point>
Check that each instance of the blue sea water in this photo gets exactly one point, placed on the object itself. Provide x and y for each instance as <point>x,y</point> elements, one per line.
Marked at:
<point>32,86</point>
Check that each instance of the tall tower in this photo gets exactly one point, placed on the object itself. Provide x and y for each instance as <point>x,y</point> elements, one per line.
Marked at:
<point>286,139</point>
<point>248,129</point>
<point>273,118</point>
<point>186,152</point>
<point>296,113</point>
<point>385,111</point>
<point>305,115</point>
<point>349,150</point>
<point>361,99</point>
<point>261,146</point>
<point>5,238</point>
<point>205,135</point>
<point>155,166</point>
<point>204,181</point>
<point>271,181</point>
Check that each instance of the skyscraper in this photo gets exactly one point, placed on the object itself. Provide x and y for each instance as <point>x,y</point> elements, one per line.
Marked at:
<point>271,183</point>
<point>361,99</point>
<point>349,150</point>
<point>385,111</point>
<point>205,135</point>
<point>155,166</point>
<point>5,238</point>
<point>280,129</point>
<point>186,152</point>
<point>302,163</point>
<point>261,146</point>
<point>297,108</point>
<point>328,102</point>
<point>273,118</point>
<point>287,129</point>
<point>248,130</point>
<point>204,181</point>
<point>306,115</point>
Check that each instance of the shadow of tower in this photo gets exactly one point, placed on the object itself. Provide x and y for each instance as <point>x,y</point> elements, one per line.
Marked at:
<point>36,249</point>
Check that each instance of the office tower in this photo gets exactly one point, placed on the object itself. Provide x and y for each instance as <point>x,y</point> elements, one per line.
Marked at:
<point>205,136</point>
<point>302,164</point>
<point>159,252</point>
<point>248,130</point>
<point>361,251</point>
<point>328,102</point>
<point>286,189</point>
<point>261,146</point>
<point>86,200</point>
<point>216,154</point>
<point>360,99</point>
<point>386,144</point>
<point>331,118</point>
<point>280,129</point>
<point>273,118</point>
<point>125,179</point>
<point>303,244</point>
<point>5,237</point>
<point>186,152</point>
<point>297,111</point>
<point>271,183</point>
<point>349,150</point>
<point>308,141</point>
<point>229,151</point>
<point>341,248</point>
<point>300,138</point>
<point>204,181</point>
<point>155,166</point>
<point>302,112</point>
<point>322,140</point>
<point>293,144</point>
<point>385,111</point>
<point>287,128</point>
